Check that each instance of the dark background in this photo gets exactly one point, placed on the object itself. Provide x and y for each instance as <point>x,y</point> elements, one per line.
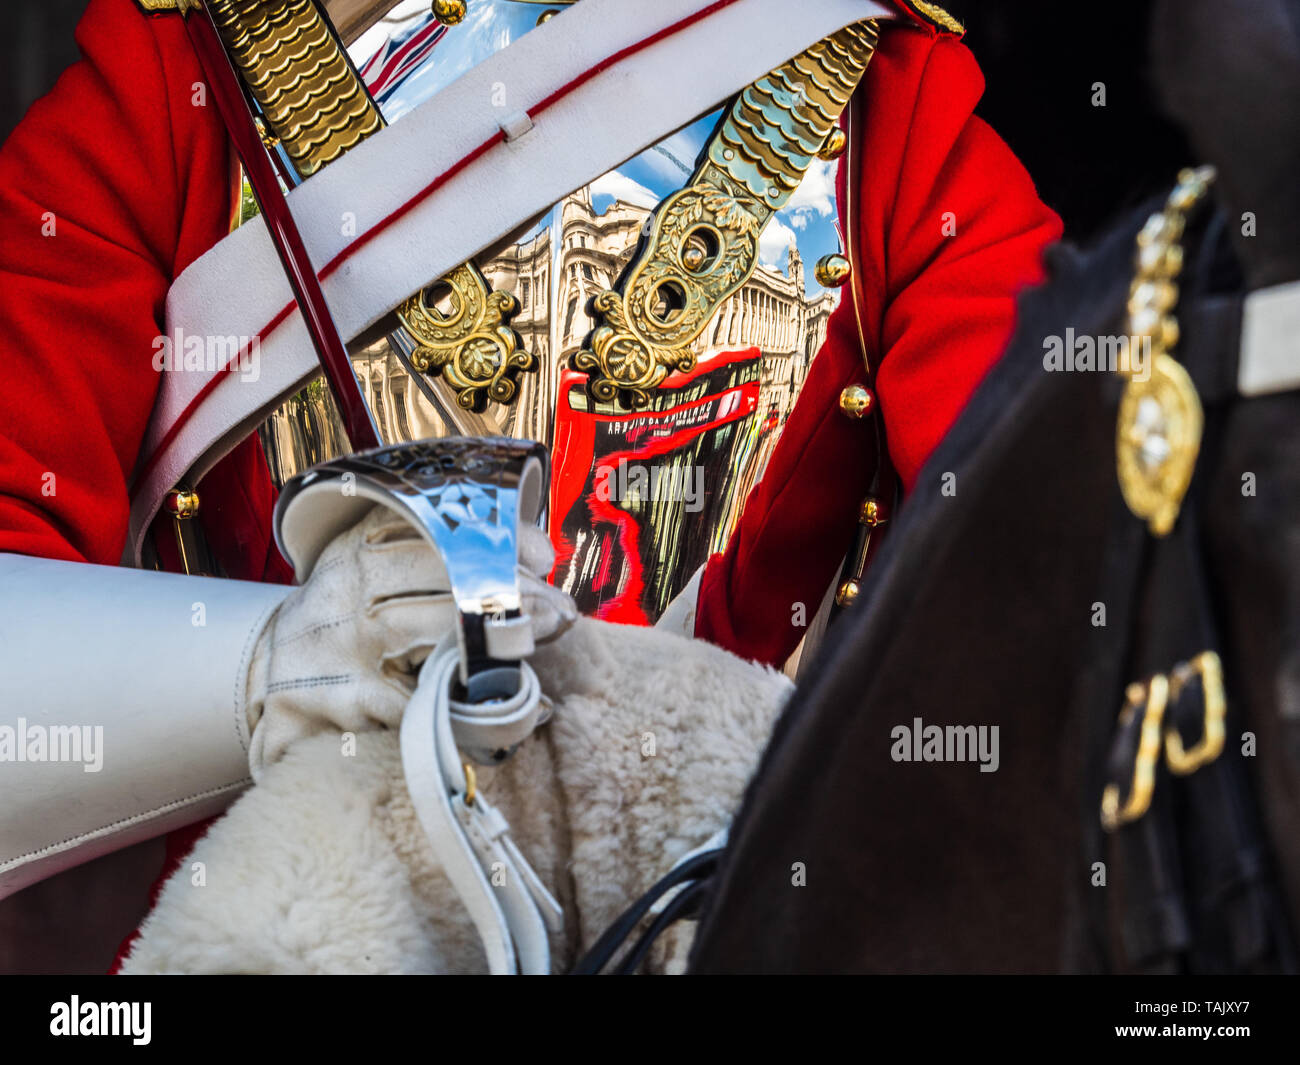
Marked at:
<point>1041,62</point>
<point>35,46</point>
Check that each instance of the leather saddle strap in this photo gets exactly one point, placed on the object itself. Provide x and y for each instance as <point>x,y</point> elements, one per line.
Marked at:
<point>1201,843</point>
<point>1154,923</point>
<point>1235,908</point>
<point>1172,624</point>
<point>1147,911</point>
<point>1195,875</point>
<point>1210,325</point>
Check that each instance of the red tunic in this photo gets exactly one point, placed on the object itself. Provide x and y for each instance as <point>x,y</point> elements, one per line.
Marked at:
<point>109,187</point>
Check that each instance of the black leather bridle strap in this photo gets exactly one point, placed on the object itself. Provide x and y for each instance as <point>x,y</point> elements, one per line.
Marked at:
<point>680,905</point>
<point>604,949</point>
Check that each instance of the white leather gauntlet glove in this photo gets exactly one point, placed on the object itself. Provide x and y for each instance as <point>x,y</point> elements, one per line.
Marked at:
<point>343,650</point>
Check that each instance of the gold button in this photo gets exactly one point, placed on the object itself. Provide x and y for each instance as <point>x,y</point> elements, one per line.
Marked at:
<point>546,16</point>
<point>831,270</point>
<point>182,503</point>
<point>269,139</point>
<point>872,512</point>
<point>856,401</point>
<point>847,592</point>
<point>449,12</point>
<point>834,144</point>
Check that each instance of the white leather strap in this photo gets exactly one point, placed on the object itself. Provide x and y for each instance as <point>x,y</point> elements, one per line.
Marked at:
<point>1270,341</point>
<point>481,729</point>
<point>506,900</point>
<point>598,83</point>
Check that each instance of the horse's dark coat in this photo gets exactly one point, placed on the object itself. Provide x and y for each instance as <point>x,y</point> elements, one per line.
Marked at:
<point>980,610</point>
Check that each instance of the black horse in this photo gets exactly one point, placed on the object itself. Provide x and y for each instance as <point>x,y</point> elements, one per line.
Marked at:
<point>1017,598</point>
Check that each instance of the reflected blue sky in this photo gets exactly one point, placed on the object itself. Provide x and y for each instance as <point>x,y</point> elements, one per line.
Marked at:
<point>808,220</point>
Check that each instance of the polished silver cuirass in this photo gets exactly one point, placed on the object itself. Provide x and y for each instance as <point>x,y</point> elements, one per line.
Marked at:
<point>648,475</point>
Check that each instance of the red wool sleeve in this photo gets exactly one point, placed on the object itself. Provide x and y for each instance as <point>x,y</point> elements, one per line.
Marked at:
<point>947,230</point>
<point>110,186</point>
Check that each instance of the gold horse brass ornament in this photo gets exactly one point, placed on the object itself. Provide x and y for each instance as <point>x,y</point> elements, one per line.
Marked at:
<point>702,244</point>
<point>472,344</point>
<point>1159,436</point>
<point>1158,431</point>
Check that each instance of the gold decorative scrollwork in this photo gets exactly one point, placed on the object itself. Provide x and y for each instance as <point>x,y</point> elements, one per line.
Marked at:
<point>935,15</point>
<point>1157,442</point>
<point>316,107</point>
<point>703,241</point>
<point>293,66</point>
<point>703,246</point>
<point>472,345</point>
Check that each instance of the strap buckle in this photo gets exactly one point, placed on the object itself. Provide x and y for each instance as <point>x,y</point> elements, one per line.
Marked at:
<point>1207,666</point>
<point>1154,695</point>
<point>1159,699</point>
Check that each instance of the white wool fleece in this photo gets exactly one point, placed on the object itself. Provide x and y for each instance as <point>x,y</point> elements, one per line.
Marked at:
<point>323,867</point>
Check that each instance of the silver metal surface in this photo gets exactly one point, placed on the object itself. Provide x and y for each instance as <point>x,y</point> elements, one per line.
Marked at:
<point>638,499</point>
<point>468,495</point>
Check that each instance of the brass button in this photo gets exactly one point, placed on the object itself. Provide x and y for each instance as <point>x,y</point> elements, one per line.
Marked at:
<point>834,144</point>
<point>269,139</point>
<point>872,512</point>
<point>182,503</point>
<point>831,270</point>
<point>546,16</point>
<point>847,592</point>
<point>449,12</point>
<point>857,401</point>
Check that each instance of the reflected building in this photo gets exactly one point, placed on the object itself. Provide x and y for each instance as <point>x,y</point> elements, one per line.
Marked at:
<point>553,283</point>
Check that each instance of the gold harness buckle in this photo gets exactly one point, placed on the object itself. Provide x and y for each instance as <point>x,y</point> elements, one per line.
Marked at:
<point>1155,694</point>
<point>1182,762</point>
